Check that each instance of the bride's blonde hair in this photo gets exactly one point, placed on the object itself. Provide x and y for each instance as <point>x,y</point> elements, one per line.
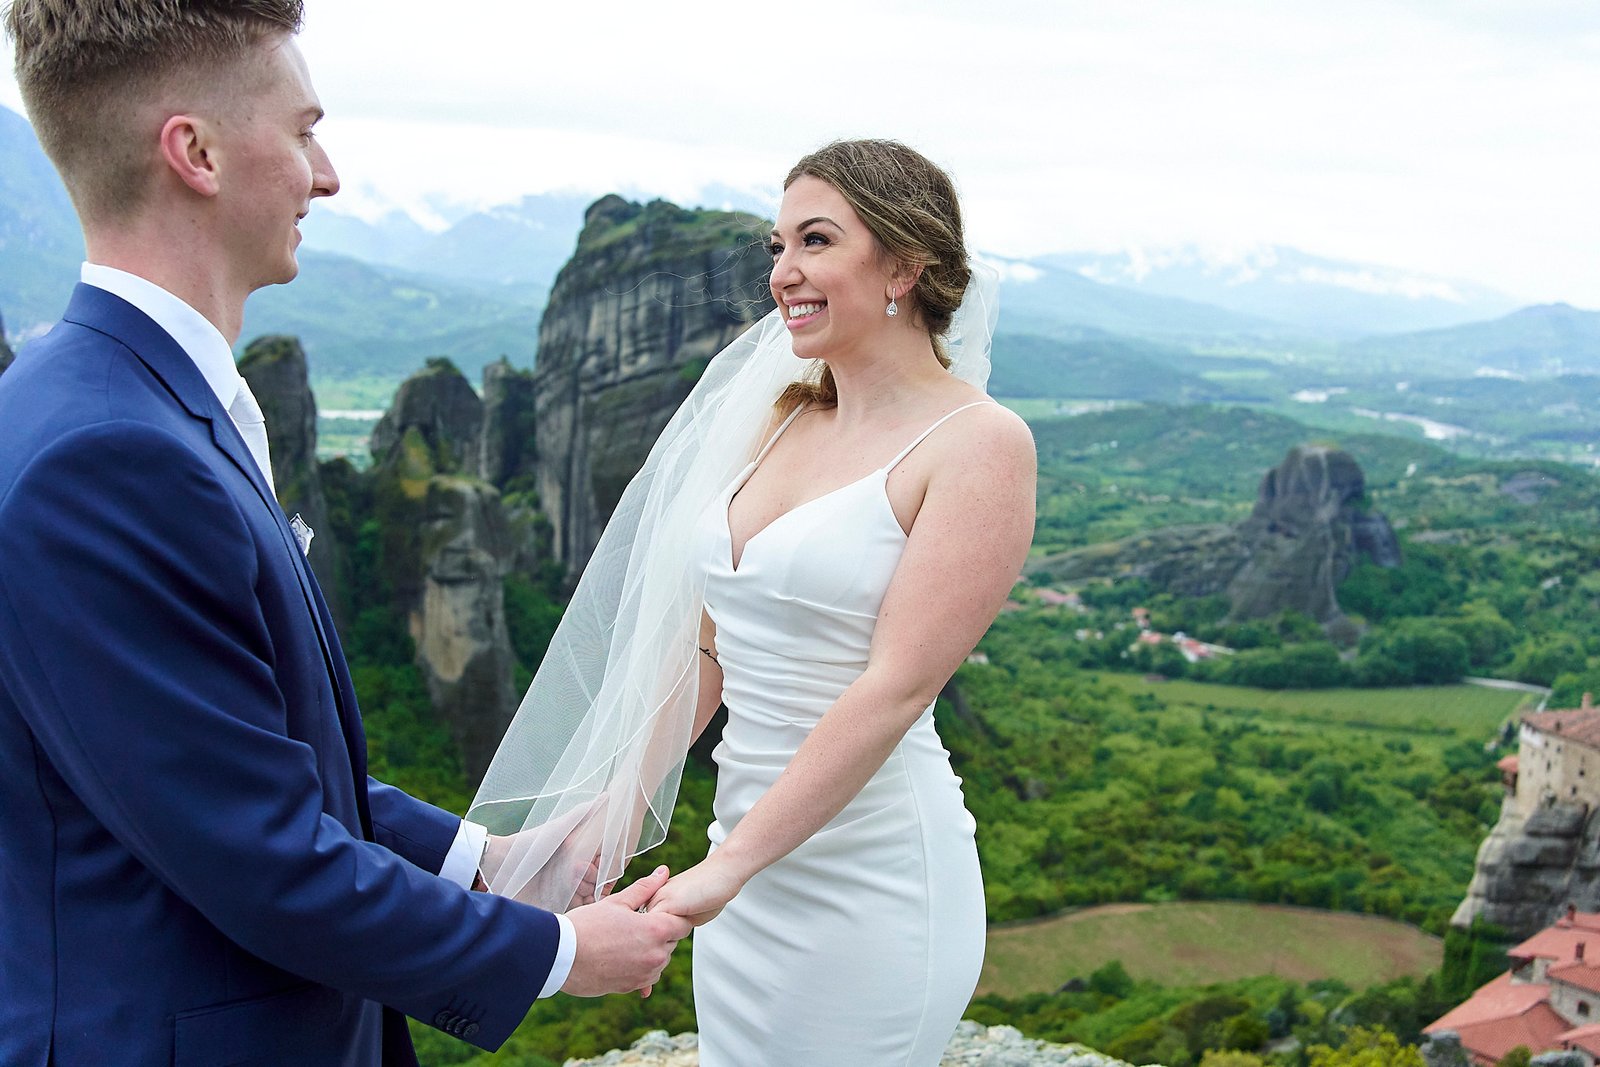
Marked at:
<point>909,206</point>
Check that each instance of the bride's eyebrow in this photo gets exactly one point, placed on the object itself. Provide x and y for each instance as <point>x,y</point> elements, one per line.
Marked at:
<point>812,222</point>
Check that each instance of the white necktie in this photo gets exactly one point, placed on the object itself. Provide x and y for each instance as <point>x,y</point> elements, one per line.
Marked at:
<point>252,425</point>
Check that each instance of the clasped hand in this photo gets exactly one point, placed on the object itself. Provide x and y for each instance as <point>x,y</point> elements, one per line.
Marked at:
<point>699,893</point>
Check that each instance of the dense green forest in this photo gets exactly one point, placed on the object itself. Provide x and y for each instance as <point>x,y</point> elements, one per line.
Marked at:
<point>1093,780</point>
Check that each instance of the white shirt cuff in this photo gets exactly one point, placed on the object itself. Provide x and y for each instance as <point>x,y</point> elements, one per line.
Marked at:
<point>461,862</point>
<point>566,952</point>
<point>461,867</point>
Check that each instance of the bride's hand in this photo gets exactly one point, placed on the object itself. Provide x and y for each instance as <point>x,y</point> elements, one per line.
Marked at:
<point>590,887</point>
<point>699,893</point>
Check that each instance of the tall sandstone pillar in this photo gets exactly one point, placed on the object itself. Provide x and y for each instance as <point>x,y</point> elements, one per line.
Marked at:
<point>652,292</point>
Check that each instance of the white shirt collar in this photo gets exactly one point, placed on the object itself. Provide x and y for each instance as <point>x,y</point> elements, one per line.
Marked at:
<point>194,333</point>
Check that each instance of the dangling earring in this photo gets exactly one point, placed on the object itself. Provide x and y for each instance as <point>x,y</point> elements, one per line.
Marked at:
<point>893,309</point>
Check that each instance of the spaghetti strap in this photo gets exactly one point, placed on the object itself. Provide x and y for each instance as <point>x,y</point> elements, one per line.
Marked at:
<point>906,451</point>
<point>784,425</point>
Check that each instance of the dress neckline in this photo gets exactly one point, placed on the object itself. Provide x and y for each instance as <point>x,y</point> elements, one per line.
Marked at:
<point>736,559</point>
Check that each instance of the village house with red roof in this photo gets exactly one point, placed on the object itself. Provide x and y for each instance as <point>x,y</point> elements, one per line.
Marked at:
<point>1550,998</point>
<point>1549,1001</point>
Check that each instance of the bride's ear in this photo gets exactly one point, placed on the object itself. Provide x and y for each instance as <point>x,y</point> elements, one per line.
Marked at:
<point>904,279</point>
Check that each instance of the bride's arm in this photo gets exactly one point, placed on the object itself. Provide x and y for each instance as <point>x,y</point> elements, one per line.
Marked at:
<point>710,695</point>
<point>663,754</point>
<point>966,547</point>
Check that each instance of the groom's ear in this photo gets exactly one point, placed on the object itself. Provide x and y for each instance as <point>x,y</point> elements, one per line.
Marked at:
<point>187,150</point>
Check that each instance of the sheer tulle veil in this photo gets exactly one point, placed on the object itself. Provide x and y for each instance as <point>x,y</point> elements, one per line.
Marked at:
<point>588,770</point>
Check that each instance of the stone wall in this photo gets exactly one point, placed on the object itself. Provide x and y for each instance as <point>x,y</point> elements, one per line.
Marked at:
<point>1552,769</point>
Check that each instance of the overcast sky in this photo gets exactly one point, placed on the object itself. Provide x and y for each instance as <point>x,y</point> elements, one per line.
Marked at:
<point>1455,137</point>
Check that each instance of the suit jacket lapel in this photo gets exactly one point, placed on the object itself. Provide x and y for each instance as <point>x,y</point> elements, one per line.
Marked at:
<point>99,310</point>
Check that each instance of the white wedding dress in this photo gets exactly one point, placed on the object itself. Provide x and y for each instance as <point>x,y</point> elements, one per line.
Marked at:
<point>862,947</point>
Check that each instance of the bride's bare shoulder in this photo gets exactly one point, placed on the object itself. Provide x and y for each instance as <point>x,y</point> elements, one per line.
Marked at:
<point>991,433</point>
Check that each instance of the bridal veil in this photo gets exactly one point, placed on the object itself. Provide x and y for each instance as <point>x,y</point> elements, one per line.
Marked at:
<point>588,770</point>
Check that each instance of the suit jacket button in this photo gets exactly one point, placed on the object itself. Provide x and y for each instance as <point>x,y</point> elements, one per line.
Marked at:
<point>471,1030</point>
<point>442,1020</point>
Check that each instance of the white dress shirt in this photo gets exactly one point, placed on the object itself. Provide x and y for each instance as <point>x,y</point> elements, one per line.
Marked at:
<point>204,344</point>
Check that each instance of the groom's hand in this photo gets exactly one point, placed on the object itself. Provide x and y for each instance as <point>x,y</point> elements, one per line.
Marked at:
<point>620,947</point>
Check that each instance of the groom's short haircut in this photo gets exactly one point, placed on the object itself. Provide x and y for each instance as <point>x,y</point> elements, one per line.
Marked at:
<point>90,69</point>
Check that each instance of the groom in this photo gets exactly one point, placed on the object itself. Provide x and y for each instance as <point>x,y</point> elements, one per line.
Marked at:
<point>194,866</point>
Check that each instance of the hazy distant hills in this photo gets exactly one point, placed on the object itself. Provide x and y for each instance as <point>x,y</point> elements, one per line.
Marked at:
<point>1535,342</point>
<point>1052,301</point>
<point>522,244</point>
<point>40,247</point>
<point>1301,291</point>
<point>357,319</point>
<point>1105,367</point>
<point>375,297</point>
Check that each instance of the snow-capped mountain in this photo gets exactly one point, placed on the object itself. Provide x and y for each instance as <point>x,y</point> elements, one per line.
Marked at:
<point>1312,293</point>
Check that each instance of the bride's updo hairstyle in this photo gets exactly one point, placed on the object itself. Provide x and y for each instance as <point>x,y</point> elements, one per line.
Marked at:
<point>909,205</point>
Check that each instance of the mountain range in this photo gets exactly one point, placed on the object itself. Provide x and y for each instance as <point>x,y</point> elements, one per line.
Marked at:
<point>376,296</point>
<point>1312,294</point>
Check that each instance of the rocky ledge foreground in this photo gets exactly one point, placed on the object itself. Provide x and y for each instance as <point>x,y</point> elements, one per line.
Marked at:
<point>972,1046</point>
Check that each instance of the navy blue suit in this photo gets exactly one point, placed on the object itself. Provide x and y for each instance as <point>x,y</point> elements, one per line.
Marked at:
<point>194,866</point>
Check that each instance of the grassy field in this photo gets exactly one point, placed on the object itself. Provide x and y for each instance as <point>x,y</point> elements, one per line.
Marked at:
<point>1200,943</point>
<point>1454,712</point>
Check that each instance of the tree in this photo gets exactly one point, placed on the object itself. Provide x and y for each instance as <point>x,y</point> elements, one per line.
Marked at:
<point>1488,636</point>
<point>1112,979</point>
<point>1415,651</point>
<point>1367,1047</point>
<point>1568,688</point>
<point>1231,1058</point>
<point>1539,660</point>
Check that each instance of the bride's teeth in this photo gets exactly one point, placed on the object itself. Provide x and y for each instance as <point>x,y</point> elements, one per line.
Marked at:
<point>802,310</point>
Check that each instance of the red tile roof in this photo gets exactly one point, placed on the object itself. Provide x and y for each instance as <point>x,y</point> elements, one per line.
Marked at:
<point>1560,941</point>
<point>1502,1015</point>
<point>1509,763</point>
<point>1584,1037</point>
<point>1578,724</point>
<point>1584,974</point>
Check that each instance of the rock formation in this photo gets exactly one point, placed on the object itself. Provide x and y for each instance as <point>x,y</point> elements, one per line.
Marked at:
<point>1530,867</point>
<point>448,547</point>
<point>455,502</point>
<point>1443,1049</point>
<point>437,405</point>
<point>1543,854</point>
<point>506,451</point>
<point>652,292</point>
<point>972,1045</point>
<point>1301,538</point>
<point>275,367</point>
<point>1307,530</point>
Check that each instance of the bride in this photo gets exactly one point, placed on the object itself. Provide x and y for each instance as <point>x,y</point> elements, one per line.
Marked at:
<point>818,545</point>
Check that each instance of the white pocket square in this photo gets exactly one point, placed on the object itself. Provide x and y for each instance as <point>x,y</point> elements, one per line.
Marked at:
<point>303,533</point>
